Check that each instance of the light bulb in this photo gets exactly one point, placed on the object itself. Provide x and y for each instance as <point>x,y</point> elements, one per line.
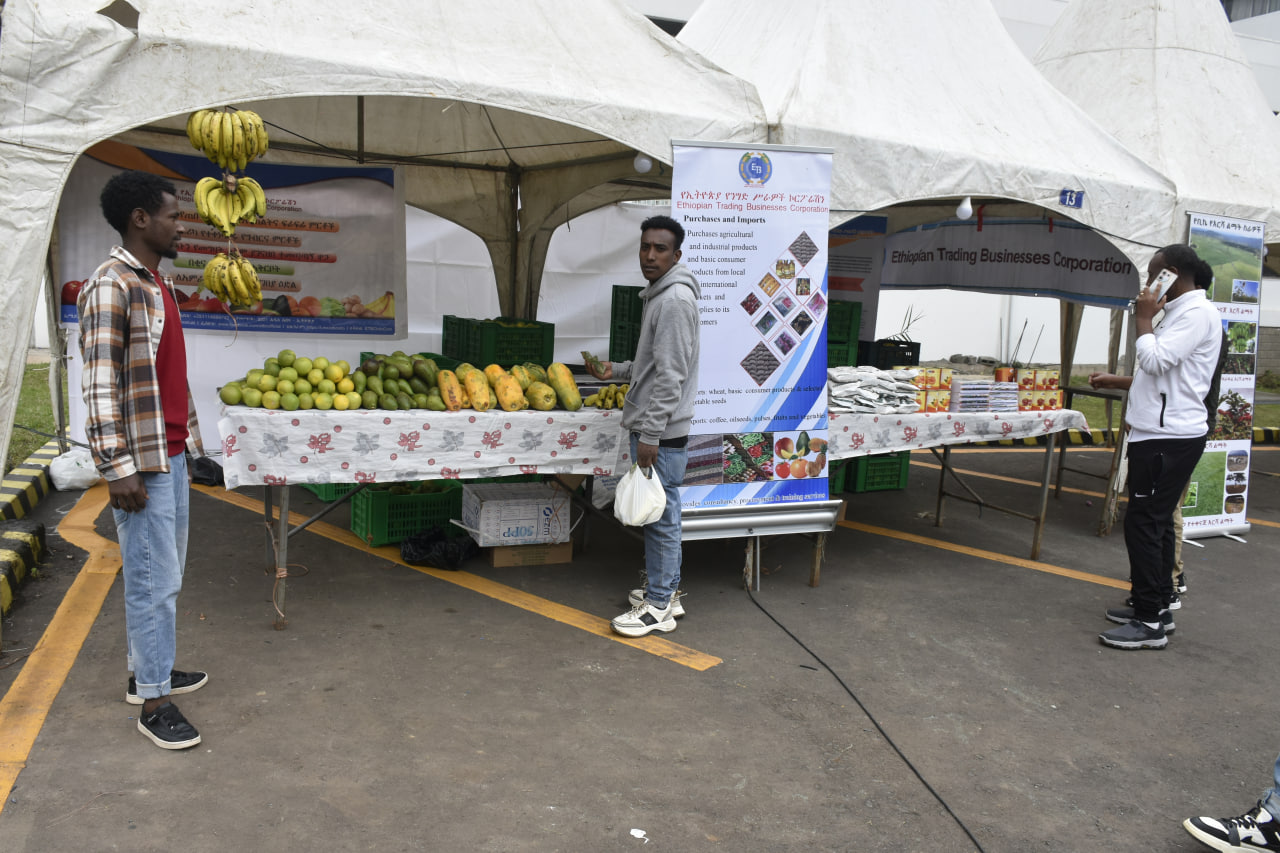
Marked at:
<point>965,208</point>
<point>642,163</point>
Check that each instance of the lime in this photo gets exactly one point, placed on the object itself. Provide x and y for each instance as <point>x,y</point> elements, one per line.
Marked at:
<point>326,386</point>
<point>303,365</point>
<point>252,397</point>
<point>284,386</point>
<point>323,400</point>
<point>345,384</point>
<point>354,399</point>
<point>315,376</point>
<point>305,401</point>
<point>288,373</point>
<point>319,362</point>
<point>272,366</point>
<point>341,403</point>
<point>270,400</point>
<point>286,357</point>
<point>230,394</point>
<point>302,386</point>
<point>289,402</point>
<point>267,383</point>
<point>254,375</point>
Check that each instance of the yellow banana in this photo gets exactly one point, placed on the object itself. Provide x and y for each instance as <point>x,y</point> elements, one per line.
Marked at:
<point>247,118</point>
<point>251,279</point>
<point>194,122</point>
<point>262,134</point>
<point>211,128</point>
<point>259,196</point>
<point>239,293</point>
<point>236,154</point>
<point>201,196</point>
<point>225,141</point>
<point>245,199</point>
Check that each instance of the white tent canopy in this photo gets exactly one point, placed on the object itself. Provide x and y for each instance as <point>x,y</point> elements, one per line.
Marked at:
<point>1168,79</point>
<point>503,115</point>
<point>928,101</point>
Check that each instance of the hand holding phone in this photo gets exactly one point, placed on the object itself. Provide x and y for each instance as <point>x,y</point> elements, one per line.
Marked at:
<point>1162,282</point>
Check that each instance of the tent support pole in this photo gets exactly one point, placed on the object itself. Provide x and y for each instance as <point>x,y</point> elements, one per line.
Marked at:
<point>360,129</point>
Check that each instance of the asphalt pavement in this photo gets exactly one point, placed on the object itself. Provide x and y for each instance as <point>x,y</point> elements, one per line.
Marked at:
<point>937,691</point>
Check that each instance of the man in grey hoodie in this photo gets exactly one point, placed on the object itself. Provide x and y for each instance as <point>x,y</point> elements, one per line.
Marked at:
<point>659,406</point>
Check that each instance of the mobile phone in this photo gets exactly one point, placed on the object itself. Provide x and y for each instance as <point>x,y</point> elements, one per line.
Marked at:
<point>1163,281</point>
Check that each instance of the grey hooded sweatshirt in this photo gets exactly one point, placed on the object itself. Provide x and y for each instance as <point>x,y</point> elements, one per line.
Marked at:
<point>664,374</point>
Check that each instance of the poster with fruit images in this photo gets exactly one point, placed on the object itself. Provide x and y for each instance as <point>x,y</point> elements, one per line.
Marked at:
<point>755,224</point>
<point>1217,494</point>
<point>329,252</point>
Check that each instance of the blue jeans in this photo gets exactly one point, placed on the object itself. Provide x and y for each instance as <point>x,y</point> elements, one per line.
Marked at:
<point>153,547</point>
<point>662,552</point>
<point>1271,799</point>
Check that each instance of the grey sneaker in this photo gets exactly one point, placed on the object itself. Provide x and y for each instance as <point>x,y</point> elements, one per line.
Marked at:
<point>1134,635</point>
<point>1125,614</point>
<point>636,597</point>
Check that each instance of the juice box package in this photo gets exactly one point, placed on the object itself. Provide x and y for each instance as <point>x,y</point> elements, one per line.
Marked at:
<point>1005,374</point>
<point>938,401</point>
<point>1055,400</point>
<point>1047,380</point>
<point>1026,379</point>
<point>1026,400</point>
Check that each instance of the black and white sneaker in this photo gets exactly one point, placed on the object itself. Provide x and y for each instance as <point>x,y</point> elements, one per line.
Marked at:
<point>1175,603</point>
<point>636,597</point>
<point>1125,614</point>
<point>1254,830</point>
<point>644,618</point>
<point>167,728</point>
<point>1180,585</point>
<point>179,682</point>
<point>1135,635</point>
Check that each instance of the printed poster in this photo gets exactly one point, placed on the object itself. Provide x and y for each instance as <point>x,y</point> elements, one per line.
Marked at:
<point>1217,495</point>
<point>329,253</point>
<point>857,255</point>
<point>756,238</point>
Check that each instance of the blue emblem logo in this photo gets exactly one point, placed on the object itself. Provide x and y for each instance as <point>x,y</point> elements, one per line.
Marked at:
<point>755,169</point>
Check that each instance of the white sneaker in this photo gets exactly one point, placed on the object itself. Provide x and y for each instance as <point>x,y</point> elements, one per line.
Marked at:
<point>642,619</point>
<point>636,597</point>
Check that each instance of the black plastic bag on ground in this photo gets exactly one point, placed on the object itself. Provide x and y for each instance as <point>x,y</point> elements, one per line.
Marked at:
<point>206,472</point>
<point>433,548</point>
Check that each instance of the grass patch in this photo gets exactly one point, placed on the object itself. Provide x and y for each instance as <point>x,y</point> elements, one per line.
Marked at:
<point>35,410</point>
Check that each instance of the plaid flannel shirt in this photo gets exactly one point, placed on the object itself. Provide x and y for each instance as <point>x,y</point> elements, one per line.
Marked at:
<point>121,319</point>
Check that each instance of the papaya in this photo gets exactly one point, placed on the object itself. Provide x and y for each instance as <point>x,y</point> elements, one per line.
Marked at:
<point>450,390</point>
<point>510,395</point>
<point>493,373</point>
<point>541,396</point>
<point>559,378</point>
<point>522,375</point>
<point>426,370</point>
<point>477,389</point>
<point>536,371</point>
<point>463,369</point>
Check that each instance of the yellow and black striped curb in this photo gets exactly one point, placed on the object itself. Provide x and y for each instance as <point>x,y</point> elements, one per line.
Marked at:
<point>27,484</point>
<point>22,546</point>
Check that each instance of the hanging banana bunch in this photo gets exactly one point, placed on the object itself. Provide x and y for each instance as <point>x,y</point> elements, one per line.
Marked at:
<point>230,139</point>
<point>224,203</point>
<point>232,279</point>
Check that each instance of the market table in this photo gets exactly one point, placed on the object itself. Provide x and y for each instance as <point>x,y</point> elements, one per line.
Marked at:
<point>853,435</point>
<point>276,448</point>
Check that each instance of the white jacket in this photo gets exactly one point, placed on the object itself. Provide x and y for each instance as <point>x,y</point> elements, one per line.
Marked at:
<point>1174,372</point>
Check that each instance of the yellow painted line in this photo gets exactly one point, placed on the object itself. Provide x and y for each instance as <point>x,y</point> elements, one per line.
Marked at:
<point>986,555</point>
<point>1263,523</point>
<point>25,706</point>
<point>652,644</point>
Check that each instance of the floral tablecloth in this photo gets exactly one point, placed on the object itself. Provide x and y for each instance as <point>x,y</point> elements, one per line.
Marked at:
<point>862,435</point>
<point>275,447</point>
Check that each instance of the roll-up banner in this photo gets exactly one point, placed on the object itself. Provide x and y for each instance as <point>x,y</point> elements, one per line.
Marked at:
<point>1218,492</point>
<point>329,251</point>
<point>755,224</point>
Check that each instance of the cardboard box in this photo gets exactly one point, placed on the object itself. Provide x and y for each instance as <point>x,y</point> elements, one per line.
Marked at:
<point>531,555</point>
<point>1005,374</point>
<point>515,513</point>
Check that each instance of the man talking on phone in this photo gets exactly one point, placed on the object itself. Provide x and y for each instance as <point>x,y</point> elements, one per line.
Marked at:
<point>1168,423</point>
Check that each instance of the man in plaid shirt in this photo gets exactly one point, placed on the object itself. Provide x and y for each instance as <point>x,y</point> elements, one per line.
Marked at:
<point>141,423</point>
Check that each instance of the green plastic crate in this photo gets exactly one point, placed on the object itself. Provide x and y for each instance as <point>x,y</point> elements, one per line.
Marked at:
<point>843,320</point>
<point>627,305</point>
<point>881,473</point>
<point>485,342</point>
<point>623,340</point>
<point>382,518</point>
<point>842,353</point>
<point>328,491</point>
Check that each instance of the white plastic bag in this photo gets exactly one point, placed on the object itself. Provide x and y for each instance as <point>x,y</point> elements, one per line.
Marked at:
<point>640,498</point>
<point>73,470</point>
